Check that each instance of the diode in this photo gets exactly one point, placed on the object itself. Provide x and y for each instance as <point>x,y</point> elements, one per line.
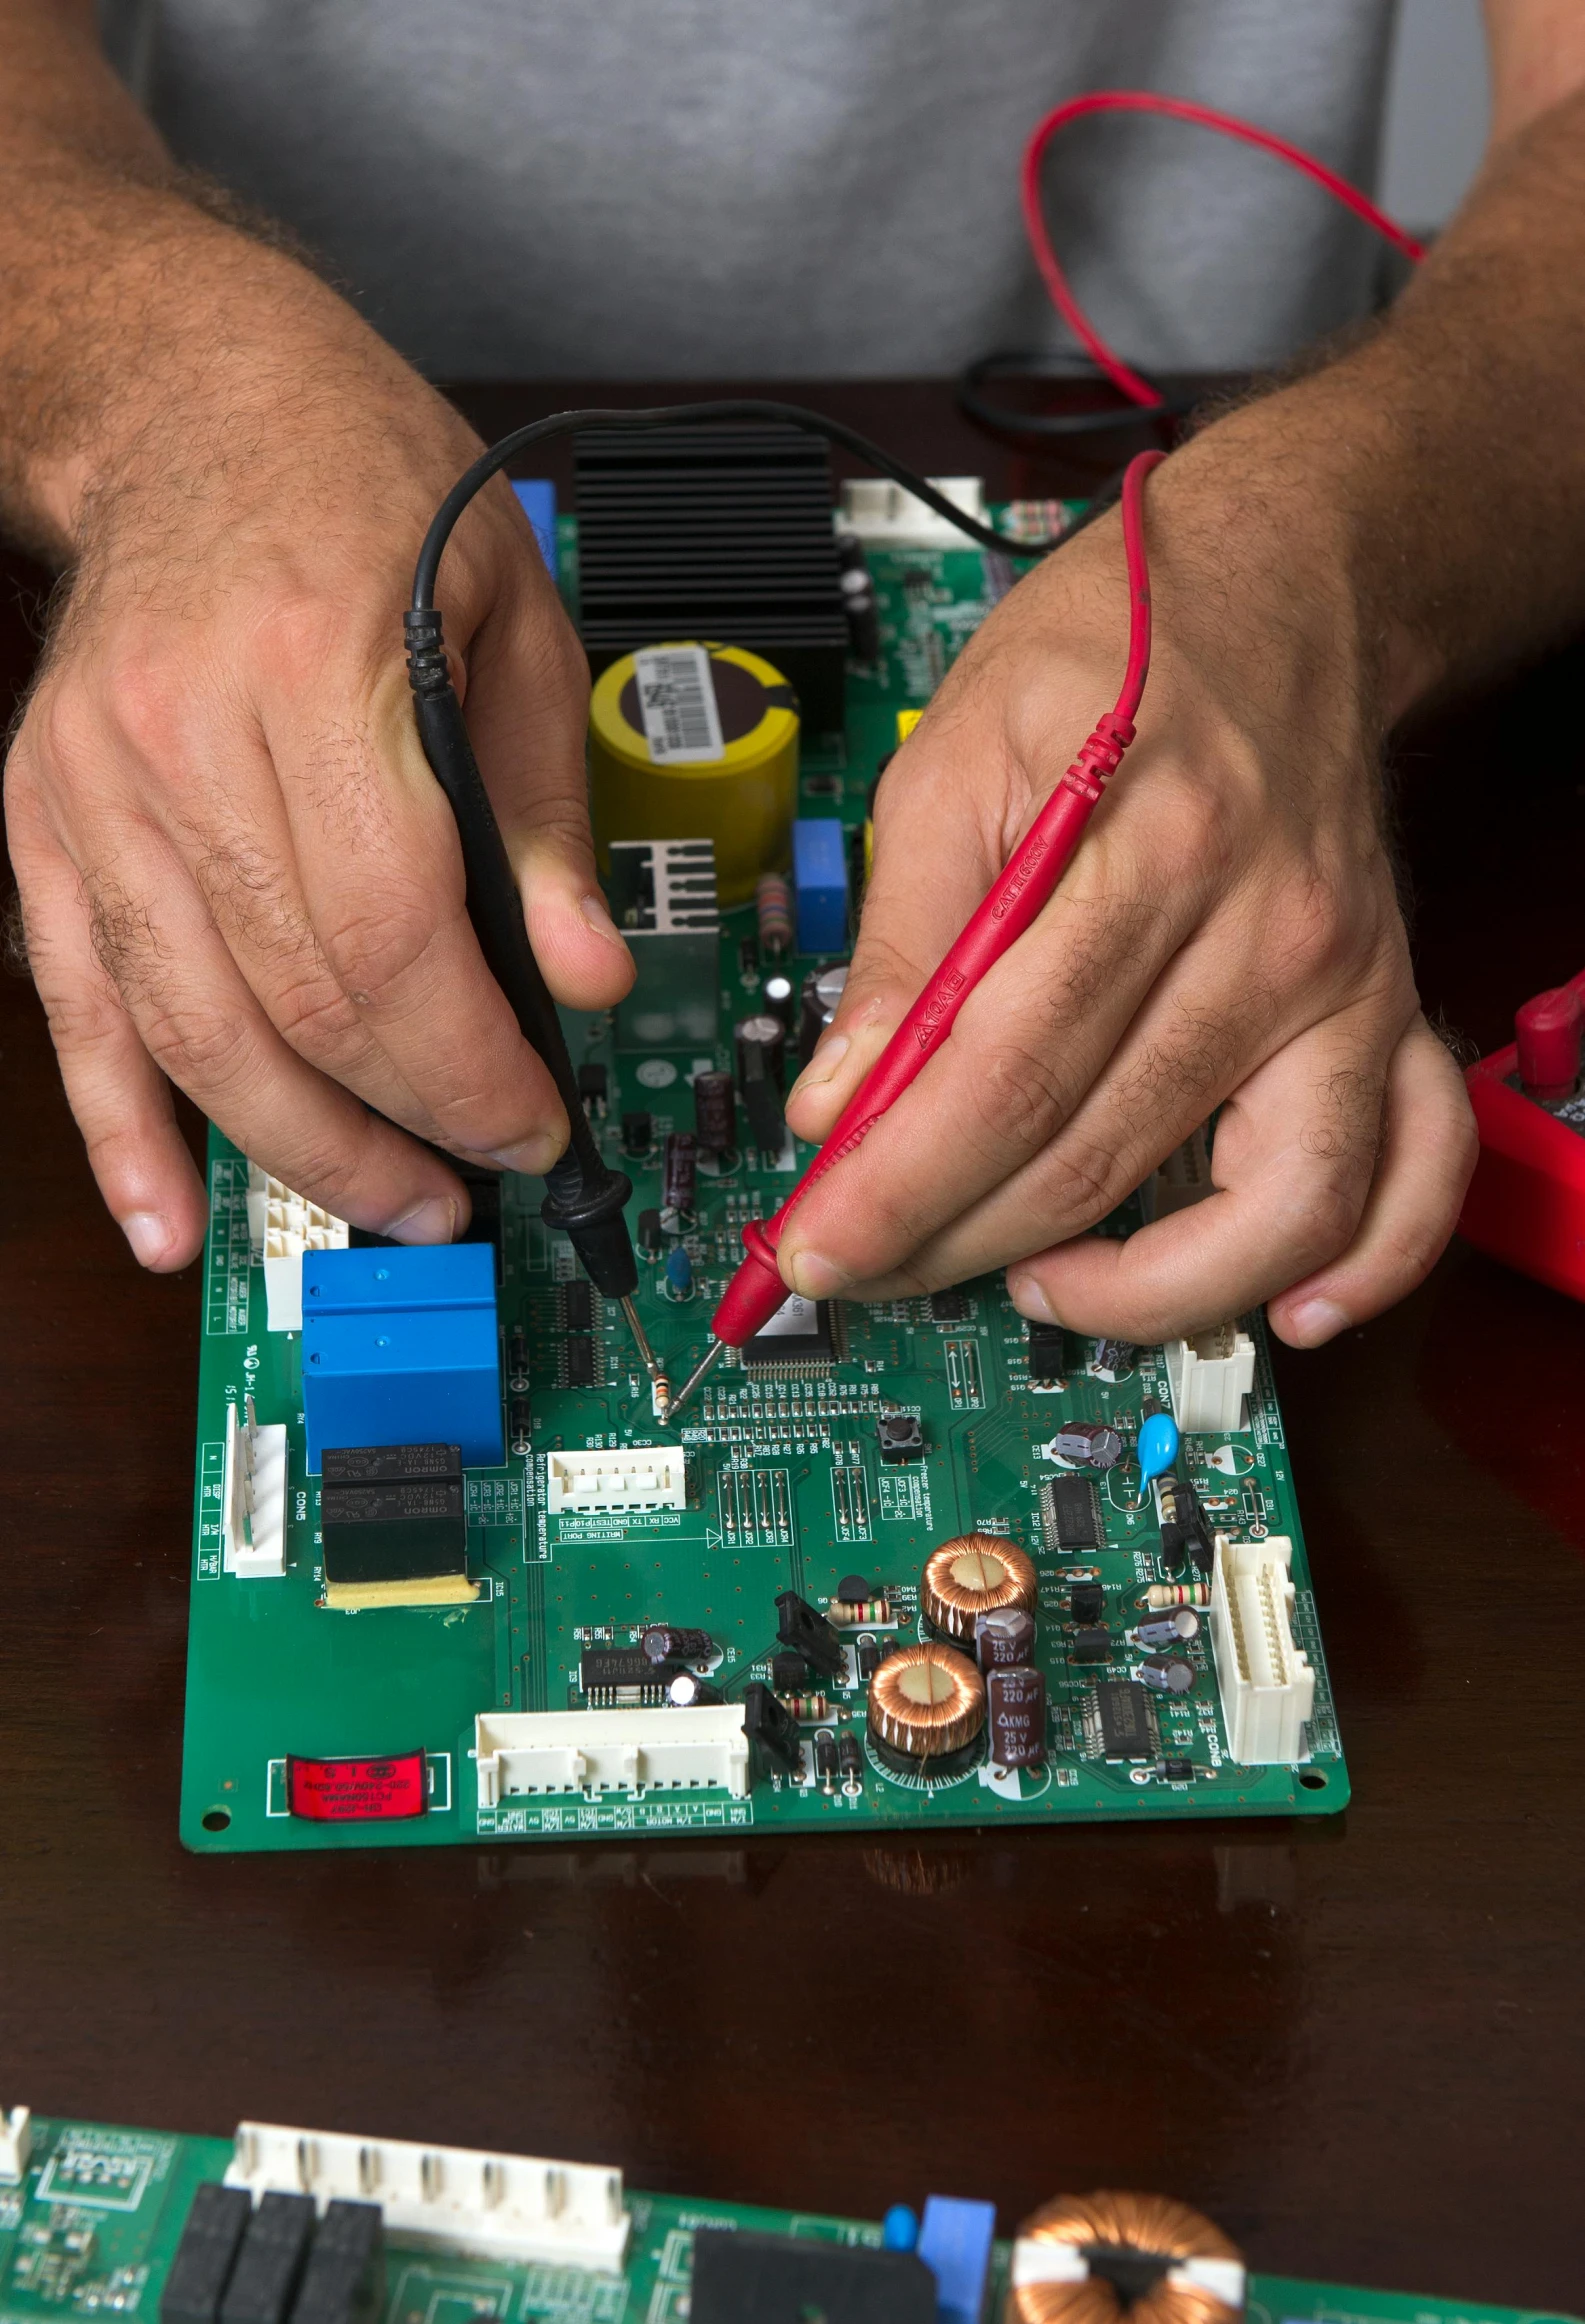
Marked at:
<point>517,1359</point>
<point>826,1760</point>
<point>850,1758</point>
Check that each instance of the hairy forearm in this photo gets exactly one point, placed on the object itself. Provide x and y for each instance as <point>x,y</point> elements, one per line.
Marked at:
<point>1438,466</point>
<point>129,291</point>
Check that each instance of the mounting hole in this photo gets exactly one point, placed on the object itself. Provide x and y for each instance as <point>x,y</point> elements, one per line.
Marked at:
<point>1312,1779</point>
<point>217,1820</point>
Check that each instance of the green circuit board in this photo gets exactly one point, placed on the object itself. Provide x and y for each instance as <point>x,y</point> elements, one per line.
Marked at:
<point>786,1489</point>
<point>92,2224</point>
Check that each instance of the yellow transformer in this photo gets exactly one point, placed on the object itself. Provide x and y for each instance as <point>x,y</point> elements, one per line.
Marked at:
<point>690,741</point>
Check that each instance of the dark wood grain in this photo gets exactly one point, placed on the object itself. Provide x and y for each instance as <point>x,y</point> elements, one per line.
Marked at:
<point>1357,2043</point>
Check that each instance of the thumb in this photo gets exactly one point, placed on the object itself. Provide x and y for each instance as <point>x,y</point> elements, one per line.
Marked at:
<point>528,710</point>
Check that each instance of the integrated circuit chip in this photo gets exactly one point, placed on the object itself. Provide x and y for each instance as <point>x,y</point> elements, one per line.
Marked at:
<point>1120,1721</point>
<point>612,1675</point>
<point>800,1333</point>
<point>1070,1512</point>
<point>747,2278</point>
<point>577,1360</point>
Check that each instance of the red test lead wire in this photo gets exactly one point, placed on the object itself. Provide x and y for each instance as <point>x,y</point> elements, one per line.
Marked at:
<point>1116,370</point>
<point>1012,905</point>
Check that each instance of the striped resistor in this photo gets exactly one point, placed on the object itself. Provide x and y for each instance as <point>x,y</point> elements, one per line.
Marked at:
<point>1178,1594</point>
<point>773,905</point>
<point>812,1709</point>
<point>855,1613</point>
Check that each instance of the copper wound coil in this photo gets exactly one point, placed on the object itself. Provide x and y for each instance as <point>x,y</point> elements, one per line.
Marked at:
<point>1155,2227</point>
<point>978,1573</point>
<point>927,1700</point>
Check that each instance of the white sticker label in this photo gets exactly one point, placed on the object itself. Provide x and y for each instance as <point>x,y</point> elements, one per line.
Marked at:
<point>794,1319</point>
<point>676,694</point>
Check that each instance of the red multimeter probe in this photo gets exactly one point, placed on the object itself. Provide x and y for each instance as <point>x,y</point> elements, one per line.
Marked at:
<point>1526,1201</point>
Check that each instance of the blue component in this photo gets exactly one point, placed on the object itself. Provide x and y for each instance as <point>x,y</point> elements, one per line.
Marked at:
<point>899,2229</point>
<point>820,884</point>
<point>537,498</point>
<point>409,1276</point>
<point>679,1272</point>
<point>1158,1445</point>
<point>400,1347</point>
<point>404,1378</point>
<point>955,2243</point>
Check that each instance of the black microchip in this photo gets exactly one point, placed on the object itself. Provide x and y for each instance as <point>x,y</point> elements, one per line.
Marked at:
<point>743,2278</point>
<point>592,1082</point>
<point>1124,1720</point>
<point>950,1306</point>
<point>1048,1353</point>
<point>638,1132</point>
<point>577,1356</point>
<point>577,1304</point>
<point>412,1530</point>
<point>603,1667</point>
<point>798,1333</point>
<point>1086,1601</point>
<point>1070,1507</point>
<point>381,1464</point>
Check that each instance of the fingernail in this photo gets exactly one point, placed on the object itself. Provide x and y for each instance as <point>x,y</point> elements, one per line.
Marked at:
<point>532,1156</point>
<point>823,1063</point>
<point>1315,1320</point>
<point>1029,1298</point>
<point>149,1233</point>
<point>434,1221</point>
<point>818,1278</point>
<point>599,918</point>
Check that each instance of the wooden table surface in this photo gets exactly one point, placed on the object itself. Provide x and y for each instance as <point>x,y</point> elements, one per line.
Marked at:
<point>1357,2043</point>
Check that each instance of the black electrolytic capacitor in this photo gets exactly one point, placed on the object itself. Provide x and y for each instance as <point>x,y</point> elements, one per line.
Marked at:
<point>1166,1674</point>
<point>817,1006</point>
<point>1015,1717</point>
<point>766,1034</point>
<point>781,1002</point>
<point>1004,1639</point>
<point>858,599</point>
<point>714,1112</point>
<point>679,1172</point>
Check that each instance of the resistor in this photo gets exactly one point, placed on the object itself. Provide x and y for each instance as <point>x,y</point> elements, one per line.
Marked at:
<point>715,1112</point>
<point>773,907</point>
<point>826,1760</point>
<point>850,1758</point>
<point>517,1359</point>
<point>1178,1594</point>
<point>680,1172</point>
<point>679,1272</point>
<point>812,1709</point>
<point>852,1613</point>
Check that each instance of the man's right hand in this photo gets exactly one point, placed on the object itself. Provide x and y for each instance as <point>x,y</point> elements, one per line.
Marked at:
<point>237,873</point>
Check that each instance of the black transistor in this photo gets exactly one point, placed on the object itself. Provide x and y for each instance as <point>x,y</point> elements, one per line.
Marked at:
<point>1086,1601</point>
<point>804,1628</point>
<point>772,1726</point>
<point>201,2268</point>
<point>1091,1643</point>
<point>1048,1354</point>
<point>270,2261</point>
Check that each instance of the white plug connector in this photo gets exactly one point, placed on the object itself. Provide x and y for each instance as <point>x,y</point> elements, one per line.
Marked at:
<point>616,1483</point>
<point>1264,1676</point>
<point>699,1749</point>
<point>1208,1376</point>
<point>253,1496</point>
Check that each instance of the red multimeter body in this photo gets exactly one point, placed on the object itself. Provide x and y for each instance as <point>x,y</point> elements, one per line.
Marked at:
<point>1526,1201</point>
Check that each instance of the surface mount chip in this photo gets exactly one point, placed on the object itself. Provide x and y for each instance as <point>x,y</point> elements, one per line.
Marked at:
<point>800,1332</point>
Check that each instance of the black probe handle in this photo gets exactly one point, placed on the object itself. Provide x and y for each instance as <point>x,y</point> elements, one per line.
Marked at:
<point>585,1196</point>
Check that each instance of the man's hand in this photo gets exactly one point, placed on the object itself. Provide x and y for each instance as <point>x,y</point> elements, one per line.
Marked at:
<point>237,872</point>
<point>1227,936</point>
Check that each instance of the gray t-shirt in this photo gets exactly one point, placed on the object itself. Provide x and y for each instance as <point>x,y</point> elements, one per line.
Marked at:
<point>762,188</point>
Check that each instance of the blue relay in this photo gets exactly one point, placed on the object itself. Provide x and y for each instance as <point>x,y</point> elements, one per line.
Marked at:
<point>537,499</point>
<point>400,1346</point>
<point>820,883</point>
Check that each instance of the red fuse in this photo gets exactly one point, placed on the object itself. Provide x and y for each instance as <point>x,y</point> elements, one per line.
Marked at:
<point>357,1791</point>
<point>1526,1201</point>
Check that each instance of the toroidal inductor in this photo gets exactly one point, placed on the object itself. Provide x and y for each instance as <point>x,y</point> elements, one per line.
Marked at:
<point>1113,2258</point>
<point>978,1573</point>
<point>697,741</point>
<point>927,1703</point>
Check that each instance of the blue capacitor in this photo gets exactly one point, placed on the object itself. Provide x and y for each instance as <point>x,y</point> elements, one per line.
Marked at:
<point>1158,1445</point>
<point>820,884</point>
<point>679,1272</point>
<point>899,2229</point>
<point>955,2241</point>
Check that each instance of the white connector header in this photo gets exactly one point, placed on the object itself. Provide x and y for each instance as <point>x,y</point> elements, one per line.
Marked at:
<point>281,1227</point>
<point>888,515</point>
<point>616,1483</point>
<point>510,2206</point>
<point>1209,1374</point>
<point>704,1748</point>
<point>1264,1676</point>
<point>16,2144</point>
<point>253,1496</point>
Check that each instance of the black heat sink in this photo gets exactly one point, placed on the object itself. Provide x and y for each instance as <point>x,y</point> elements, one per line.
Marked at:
<point>718,532</point>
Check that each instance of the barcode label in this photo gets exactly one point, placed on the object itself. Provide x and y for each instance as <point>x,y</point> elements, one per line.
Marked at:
<point>677,696</point>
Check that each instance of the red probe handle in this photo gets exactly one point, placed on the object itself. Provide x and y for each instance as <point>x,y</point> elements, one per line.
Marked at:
<point>1019,895</point>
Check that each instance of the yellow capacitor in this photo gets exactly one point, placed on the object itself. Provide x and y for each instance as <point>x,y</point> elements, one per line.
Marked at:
<point>690,741</point>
